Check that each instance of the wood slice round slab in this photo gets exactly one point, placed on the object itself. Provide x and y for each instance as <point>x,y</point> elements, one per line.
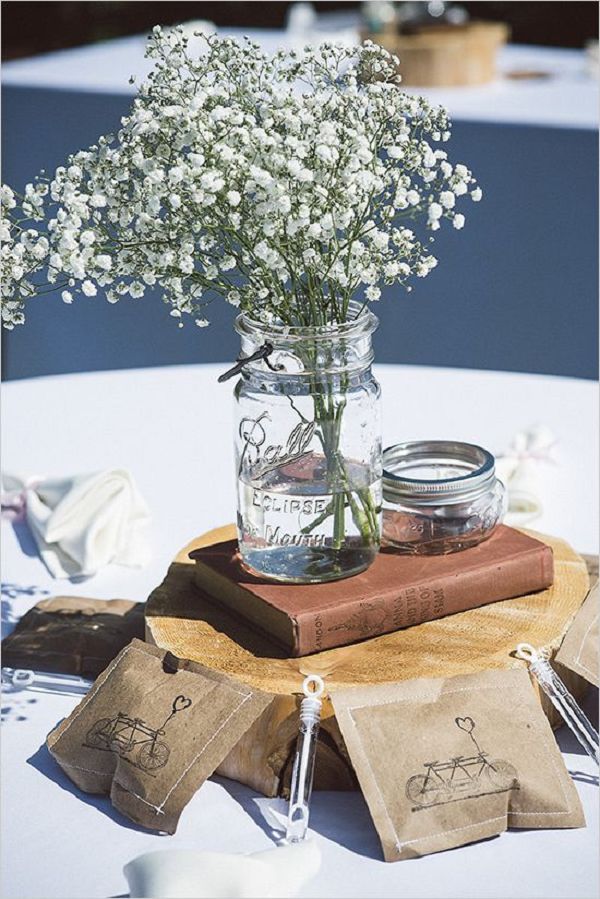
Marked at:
<point>182,619</point>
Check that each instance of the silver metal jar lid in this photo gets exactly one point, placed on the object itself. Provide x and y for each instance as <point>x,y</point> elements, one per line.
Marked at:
<point>432,472</point>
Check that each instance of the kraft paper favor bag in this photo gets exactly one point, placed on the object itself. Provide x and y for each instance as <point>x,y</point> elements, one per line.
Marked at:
<point>446,762</point>
<point>579,649</point>
<point>151,730</point>
<point>73,634</point>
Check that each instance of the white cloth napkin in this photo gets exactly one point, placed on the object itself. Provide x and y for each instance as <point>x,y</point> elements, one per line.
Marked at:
<point>84,522</point>
<point>519,470</point>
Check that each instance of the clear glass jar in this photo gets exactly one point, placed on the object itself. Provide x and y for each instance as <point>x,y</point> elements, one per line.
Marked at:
<point>308,450</point>
<point>439,496</point>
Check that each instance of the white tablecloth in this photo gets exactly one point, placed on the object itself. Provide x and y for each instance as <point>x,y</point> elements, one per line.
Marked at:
<point>172,428</point>
<point>568,97</point>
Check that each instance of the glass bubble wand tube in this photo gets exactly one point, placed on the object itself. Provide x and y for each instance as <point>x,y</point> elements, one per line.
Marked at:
<point>561,699</point>
<point>304,760</point>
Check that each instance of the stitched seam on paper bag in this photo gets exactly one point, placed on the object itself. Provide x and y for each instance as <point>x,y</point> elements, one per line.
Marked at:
<point>471,690</point>
<point>204,748</point>
<point>444,833</point>
<point>97,685</point>
<point>372,773</point>
<point>583,639</point>
<point>399,844</point>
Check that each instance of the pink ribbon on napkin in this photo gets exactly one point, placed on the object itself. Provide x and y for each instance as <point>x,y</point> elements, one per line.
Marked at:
<point>538,455</point>
<point>14,502</point>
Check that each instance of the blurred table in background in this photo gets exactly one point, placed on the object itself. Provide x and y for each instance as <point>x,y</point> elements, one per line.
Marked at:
<point>562,94</point>
<point>516,290</point>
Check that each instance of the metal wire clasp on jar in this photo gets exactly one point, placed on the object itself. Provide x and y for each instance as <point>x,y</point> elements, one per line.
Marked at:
<point>439,496</point>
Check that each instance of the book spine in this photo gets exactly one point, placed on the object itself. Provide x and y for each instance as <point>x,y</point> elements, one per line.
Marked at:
<point>425,600</point>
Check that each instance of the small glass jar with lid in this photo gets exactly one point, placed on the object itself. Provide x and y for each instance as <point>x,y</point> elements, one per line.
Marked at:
<point>439,496</point>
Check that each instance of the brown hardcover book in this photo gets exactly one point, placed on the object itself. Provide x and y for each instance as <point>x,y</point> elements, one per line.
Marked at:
<point>395,592</point>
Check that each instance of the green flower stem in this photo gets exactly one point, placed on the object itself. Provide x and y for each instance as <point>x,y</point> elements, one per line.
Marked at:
<point>319,520</point>
<point>329,416</point>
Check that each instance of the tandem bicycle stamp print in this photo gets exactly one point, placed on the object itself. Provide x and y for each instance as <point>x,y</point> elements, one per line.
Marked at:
<point>134,740</point>
<point>461,777</point>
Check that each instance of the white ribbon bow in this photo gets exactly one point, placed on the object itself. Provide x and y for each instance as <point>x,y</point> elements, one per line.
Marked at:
<point>519,467</point>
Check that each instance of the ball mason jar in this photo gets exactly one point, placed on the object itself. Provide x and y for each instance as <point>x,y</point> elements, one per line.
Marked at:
<point>308,450</point>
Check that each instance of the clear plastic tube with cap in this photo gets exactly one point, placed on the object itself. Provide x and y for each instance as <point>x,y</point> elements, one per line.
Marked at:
<point>561,699</point>
<point>45,682</point>
<point>304,760</point>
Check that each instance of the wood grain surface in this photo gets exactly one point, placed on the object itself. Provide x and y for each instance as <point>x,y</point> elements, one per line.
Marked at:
<point>179,617</point>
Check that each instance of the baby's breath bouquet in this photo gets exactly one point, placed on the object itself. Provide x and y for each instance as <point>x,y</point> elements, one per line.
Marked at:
<point>287,185</point>
<point>284,185</point>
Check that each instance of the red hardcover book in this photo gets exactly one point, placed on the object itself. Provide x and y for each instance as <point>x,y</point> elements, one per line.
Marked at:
<point>395,592</point>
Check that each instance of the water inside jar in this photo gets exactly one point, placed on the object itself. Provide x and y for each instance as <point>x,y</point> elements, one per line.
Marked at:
<point>300,524</point>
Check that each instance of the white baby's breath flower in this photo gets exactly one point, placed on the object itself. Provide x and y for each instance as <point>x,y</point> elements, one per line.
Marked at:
<point>325,153</point>
<point>176,174</point>
<point>104,261</point>
<point>294,167</point>
<point>89,288</point>
<point>67,296</point>
<point>225,173</point>
<point>196,160</point>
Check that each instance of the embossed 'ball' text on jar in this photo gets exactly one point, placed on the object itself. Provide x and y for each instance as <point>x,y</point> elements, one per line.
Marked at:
<point>308,449</point>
